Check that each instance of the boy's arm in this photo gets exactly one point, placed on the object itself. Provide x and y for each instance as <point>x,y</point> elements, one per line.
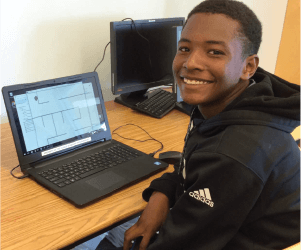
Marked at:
<point>160,196</point>
<point>149,222</point>
<point>168,184</point>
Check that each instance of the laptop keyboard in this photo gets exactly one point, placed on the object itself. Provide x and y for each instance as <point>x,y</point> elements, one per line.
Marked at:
<point>88,165</point>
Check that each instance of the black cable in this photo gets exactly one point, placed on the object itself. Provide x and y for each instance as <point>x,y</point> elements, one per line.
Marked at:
<point>104,52</point>
<point>150,62</point>
<point>20,177</point>
<point>135,28</point>
<point>152,139</point>
<point>149,49</point>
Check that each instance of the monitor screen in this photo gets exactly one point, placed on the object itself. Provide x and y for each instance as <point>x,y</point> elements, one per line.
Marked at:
<point>142,52</point>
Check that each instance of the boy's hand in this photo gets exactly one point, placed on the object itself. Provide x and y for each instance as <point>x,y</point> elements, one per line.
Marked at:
<point>149,222</point>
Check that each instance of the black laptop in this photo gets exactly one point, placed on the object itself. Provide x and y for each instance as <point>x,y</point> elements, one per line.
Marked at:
<point>63,139</point>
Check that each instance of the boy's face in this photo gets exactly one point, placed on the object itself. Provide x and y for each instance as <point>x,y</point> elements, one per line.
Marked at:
<point>208,64</point>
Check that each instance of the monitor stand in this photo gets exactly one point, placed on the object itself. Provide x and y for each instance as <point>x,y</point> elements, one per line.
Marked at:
<point>184,107</point>
<point>131,99</point>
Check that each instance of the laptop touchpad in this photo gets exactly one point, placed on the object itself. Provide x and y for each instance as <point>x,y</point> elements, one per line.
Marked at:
<point>105,180</point>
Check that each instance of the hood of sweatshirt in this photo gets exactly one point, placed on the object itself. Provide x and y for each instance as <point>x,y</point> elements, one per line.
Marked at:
<point>272,102</point>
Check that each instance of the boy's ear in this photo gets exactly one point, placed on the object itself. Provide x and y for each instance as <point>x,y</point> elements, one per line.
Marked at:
<point>250,67</point>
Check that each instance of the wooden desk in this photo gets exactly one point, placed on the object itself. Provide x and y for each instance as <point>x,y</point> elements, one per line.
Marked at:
<point>34,218</point>
<point>294,247</point>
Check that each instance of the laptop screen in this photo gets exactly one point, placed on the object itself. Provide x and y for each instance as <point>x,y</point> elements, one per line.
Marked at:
<point>53,117</point>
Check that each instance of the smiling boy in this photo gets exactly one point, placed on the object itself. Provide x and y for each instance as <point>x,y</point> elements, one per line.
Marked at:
<point>238,183</point>
<point>209,67</point>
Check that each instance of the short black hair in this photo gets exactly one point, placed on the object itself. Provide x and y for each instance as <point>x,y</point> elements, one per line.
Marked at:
<point>251,30</point>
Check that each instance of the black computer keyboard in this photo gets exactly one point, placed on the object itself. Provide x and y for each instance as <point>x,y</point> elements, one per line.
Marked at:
<point>88,165</point>
<point>158,104</point>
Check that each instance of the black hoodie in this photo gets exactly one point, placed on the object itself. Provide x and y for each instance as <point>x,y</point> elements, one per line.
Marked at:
<point>239,184</point>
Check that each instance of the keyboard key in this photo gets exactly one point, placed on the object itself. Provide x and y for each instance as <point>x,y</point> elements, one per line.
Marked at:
<point>48,177</point>
<point>53,179</point>
<point>59,181</point>
<point>91,172</point>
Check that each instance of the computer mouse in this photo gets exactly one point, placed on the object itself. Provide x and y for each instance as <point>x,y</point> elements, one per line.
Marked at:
<point>170,157</point>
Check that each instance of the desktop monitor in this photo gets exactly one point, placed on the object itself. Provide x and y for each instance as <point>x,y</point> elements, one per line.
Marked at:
<point>142,52</point>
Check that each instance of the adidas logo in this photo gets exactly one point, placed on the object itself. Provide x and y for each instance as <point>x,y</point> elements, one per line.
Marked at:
<point>203,195</point>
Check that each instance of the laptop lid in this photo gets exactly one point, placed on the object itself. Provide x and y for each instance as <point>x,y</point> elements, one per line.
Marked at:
<point>53,117</point>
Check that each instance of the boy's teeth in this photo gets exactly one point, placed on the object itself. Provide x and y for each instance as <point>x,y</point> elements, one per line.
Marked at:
<point>194,81</point>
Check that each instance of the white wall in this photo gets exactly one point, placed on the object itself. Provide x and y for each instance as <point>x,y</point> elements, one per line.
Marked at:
<point>42,39</point>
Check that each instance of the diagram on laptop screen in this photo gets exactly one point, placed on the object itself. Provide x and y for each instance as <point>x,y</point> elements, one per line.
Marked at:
<point>54,114</point>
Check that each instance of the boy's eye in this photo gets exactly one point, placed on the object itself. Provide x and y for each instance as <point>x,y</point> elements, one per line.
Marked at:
<point>216,52</point>
<point>183,49</point>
